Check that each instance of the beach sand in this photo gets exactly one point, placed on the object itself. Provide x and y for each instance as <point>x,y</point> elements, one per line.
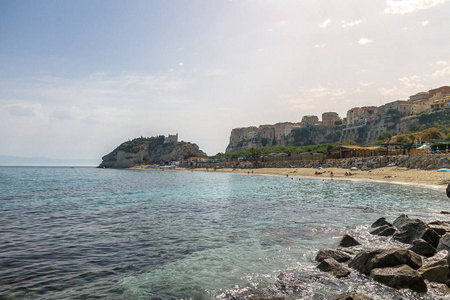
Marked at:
<point>388,174</point>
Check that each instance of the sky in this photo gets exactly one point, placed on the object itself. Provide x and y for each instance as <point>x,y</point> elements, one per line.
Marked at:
<point>79,77</point>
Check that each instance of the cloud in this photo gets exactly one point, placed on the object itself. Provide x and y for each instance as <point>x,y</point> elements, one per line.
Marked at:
<point>445,72</point>
<point>443,62</point>
<point>180,64</point>
<point>283,22</point>
<point>24,110</point>
<point>319,46</point>
<point>365,83</point>
<point>364,41</point>
<point>216,72</point>
<point>409,6</point>
<point>349,24</point>
<point>408,86</point>
<point>425,23</point>
<point>325,23</point>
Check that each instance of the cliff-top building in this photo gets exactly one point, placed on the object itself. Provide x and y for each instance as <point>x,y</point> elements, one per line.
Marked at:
<point>171,139</point>
<point>309,121</point>
<point>329,118</point>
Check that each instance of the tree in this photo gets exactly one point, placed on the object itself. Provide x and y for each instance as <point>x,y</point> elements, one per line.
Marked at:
<point>384,136</point>
<point>432,134</point>
<point>255,153</point>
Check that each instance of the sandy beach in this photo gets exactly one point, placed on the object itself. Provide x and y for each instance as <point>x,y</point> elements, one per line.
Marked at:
<point>388,174</point>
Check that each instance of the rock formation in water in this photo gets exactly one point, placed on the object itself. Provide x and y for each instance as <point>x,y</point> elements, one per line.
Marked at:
<point>153,150</point>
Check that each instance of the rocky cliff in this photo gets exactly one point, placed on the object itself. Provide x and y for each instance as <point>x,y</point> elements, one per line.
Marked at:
<point>151,150</point>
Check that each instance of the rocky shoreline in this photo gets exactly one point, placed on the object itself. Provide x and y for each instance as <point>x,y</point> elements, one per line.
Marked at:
<point>420,265</point>
<point>425,257</point>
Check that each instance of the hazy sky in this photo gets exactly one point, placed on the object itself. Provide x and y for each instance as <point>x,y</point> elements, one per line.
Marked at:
<point>78,77</point>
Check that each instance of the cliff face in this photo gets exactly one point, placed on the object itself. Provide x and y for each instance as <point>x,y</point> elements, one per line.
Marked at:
<point>149,150</point>
<point>290,134</point>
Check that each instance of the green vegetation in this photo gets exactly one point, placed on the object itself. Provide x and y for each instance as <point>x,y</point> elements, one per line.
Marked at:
<point>256,152</point>
<point>382,137</point>
<point>439,119</point>
<point>134,145</point>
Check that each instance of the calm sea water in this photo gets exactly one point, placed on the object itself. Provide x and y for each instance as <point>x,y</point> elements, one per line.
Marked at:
<point>77,233</point>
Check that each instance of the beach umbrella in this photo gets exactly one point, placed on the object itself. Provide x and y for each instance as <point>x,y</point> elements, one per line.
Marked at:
<point>354,168</point>
<point>319,168</point>
<point>444,170</point>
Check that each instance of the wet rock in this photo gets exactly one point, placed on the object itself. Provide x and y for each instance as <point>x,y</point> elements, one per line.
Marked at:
<point>400,277</point>
<point>445,212</point>
<point>436,270</point>
<point>381,222</point>
<point>413,229</point>
<point>365,261</point>
<point>352,296</point>
<point>444,243</point>
<point>348,241</point>
<point>448,190</point>
<point>423,248</point>
<point>395,257</point>
<point>361,261</point>
<point>400,221</point>
<point>440,229</point>
<point>338,255</point>
<point>384,230</point>
<point>330,265</point>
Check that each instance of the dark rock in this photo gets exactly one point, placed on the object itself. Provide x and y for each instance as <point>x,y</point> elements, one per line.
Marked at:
<point>438,222</point>
<point>448,190</point>
<point>445,212</point>
<point>352,296</point>
<point>400,277</point>
<point>338,255</point>
<point>410,230</point>
<point>423,248</point>
<point>381,222</point>
<point>348,241</point>
<point>387,232</point>
<point>444,243</point>
<point>436,271</point>
<point>384,230</point>
<point>400,221</point>
<point>361,261</point>
<point>330,265</point>
<point>365,261</point>
<point>395,257</point>
<point>440,229</point>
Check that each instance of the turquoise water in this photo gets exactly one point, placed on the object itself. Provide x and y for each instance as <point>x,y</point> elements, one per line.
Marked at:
<point>135,234</point>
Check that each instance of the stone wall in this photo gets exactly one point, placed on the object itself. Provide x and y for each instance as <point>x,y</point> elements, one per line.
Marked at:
<point>429,162</point>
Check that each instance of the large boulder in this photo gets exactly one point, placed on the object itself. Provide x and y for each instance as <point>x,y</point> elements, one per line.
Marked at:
<point>402,276</point>
<point>384,230</point>
<point>338,255</point>
<point>436,269</point>
<point>330,265</point>
<point>381,222</point>
<point>365,261</point>
<point>423,248</point>
<point>444,243</point>
<point>348,241</point>
<point>413,229</point>
<point>361,261</point>
<point>400,221</point>
<point>395,257</point>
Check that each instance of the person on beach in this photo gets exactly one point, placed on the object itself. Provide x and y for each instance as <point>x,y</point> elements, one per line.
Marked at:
<point>331,174</point>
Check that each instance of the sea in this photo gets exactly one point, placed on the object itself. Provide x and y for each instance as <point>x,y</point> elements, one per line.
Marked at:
<point>88,233</point>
